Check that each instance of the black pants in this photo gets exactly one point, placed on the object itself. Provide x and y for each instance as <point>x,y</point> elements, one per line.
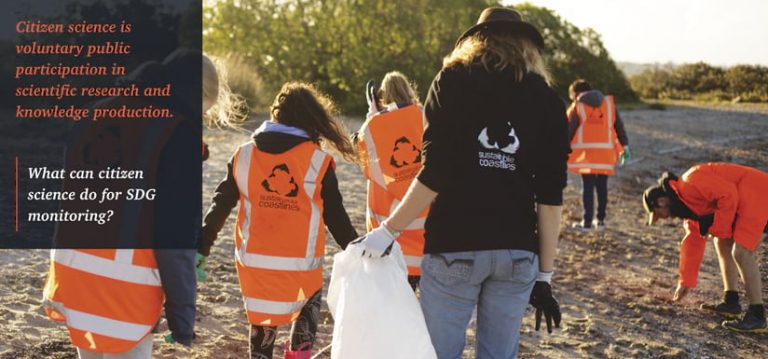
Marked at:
<point>303,331</point>
<point>590,184</point>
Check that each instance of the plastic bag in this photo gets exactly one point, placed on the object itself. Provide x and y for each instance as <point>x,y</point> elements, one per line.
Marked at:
<point>376,314</point>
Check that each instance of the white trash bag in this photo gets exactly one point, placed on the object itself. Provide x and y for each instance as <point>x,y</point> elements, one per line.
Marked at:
<point>376,314</point>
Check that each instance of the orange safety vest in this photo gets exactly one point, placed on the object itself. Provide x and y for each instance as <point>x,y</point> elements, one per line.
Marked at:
<point>595,146</point>
<point>390,149</point>
<point>280,233</point>
<point>110,299</point>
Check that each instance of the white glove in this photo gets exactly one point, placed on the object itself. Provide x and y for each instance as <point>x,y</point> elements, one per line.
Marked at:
<point>377,242</point>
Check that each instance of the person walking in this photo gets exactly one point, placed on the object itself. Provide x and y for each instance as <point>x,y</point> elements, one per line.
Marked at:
<point>287,192</point>
<point>727,201</point>
<point>111,293</point>
<point>389,143</point>
<point>495,159</point>
<point>598,141</point>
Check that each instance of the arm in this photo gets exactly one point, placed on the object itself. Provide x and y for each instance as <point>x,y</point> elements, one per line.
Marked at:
<point>415,201</point>
<point>334,214</point>
<point>621,133</point>
<point>573,122</point>
<point>550,177</point>
<point>224,199</point>
<point>691,254</point>
<point>549,232</point>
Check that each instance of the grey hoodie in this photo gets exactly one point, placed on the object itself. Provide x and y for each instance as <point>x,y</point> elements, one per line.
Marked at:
<point>594,98</point>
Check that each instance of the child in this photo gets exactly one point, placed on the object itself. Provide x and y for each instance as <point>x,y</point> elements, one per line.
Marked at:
<point>390,147</point>
<point>221,107</point>
<point>287,190</point>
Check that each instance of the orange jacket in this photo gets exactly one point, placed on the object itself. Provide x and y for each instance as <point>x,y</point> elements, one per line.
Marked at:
<point>595,146</point>
<point>110,299</point>
<point>280,232</point>
<point>735,194</point>
<point>390,149</point>
<point>691,253</point>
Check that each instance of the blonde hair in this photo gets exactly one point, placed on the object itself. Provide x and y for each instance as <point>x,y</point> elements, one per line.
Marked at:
<point>228,109</point>
<point>396,88</point>
<point>301,105</point>
<point>498,52</point>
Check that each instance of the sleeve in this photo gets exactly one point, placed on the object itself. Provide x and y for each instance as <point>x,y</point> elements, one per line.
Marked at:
<point>437,141</point>
<point>553,147</point>
<point>621,133</point>
<point>334,213</point>
<point>224,200</point>
<point>691,254</point>
<point>723,196</point>
<point>573,122</point>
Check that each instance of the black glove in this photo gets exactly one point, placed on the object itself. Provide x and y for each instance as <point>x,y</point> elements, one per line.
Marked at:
<point>704,224</point>
<point>544,302</point>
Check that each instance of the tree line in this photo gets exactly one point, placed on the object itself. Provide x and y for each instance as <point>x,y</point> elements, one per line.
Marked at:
<point>703,82</point>
<point>339,44</point>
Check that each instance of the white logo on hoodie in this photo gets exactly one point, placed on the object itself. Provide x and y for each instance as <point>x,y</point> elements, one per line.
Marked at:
<point>493,144</point>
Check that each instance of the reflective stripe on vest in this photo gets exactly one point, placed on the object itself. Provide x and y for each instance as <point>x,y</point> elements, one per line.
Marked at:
<point>582,113</point>
<point>101,325</point>
<point>273,307</point>
<point>253,260</point>
<point>413,261</point>
<point>417,223</point>
<point>119,269</point>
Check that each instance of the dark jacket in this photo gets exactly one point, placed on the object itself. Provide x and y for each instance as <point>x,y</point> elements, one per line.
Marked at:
<point>594,98</point>
<point>227,195</point>
<point>493,148</point>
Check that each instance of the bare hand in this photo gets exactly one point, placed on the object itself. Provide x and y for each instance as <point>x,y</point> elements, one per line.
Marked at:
<point>680,293</point>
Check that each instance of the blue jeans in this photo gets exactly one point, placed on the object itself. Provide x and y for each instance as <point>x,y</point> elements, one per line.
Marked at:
<point>497,282</point>
<point>590,185</point>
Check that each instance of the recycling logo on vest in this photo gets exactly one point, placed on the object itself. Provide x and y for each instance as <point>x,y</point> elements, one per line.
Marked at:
<point>284,186</point>
<point>404,156</point>
<point>502,142</point>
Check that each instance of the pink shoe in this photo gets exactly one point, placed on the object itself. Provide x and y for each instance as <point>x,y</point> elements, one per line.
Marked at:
<point>299,354</point>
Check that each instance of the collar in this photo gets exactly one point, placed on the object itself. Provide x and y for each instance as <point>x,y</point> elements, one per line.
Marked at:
<point>271,126</point>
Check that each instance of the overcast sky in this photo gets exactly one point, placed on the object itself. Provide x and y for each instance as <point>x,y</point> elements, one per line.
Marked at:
<point>718,32</point>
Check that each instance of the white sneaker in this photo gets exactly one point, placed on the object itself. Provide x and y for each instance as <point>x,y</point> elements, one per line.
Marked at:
<point>581,226</point>
<point>599,225</point>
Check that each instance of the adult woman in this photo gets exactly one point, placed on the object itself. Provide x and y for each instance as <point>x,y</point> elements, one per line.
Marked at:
<point>495,152</point>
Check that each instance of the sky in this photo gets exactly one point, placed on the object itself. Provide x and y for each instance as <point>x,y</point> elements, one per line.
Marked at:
<point>718,32</point>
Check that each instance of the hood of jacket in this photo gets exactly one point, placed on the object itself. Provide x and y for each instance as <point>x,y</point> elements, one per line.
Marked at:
<point>273,137</point>
<point>592,98</point>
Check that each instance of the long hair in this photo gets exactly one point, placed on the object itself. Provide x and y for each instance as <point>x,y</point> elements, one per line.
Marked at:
<point>396,88</point>
<point>228,109</point>
<point>301,105</point>
<point>497,52</point>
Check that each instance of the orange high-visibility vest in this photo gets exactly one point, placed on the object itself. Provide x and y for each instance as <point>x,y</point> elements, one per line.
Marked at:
<point>280,232</point>
<point>110,299</point>
<point>390,150</point>
<point>595,146</point>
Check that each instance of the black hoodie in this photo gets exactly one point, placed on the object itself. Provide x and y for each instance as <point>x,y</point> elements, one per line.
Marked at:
<point>493,148</point>
<point>227,195</point>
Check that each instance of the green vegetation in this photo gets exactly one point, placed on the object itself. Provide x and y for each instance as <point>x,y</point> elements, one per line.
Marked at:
<point>704,83</point>
<point>340,44</point>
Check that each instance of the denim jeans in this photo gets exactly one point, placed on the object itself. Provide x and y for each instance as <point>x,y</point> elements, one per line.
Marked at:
<point>497,282</point>
<point>590,185</point>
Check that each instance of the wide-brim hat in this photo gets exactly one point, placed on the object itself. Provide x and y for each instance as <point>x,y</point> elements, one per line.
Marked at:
<point>499,19</point>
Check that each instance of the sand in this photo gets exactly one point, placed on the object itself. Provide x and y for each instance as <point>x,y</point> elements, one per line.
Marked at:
<point>614,287</point>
